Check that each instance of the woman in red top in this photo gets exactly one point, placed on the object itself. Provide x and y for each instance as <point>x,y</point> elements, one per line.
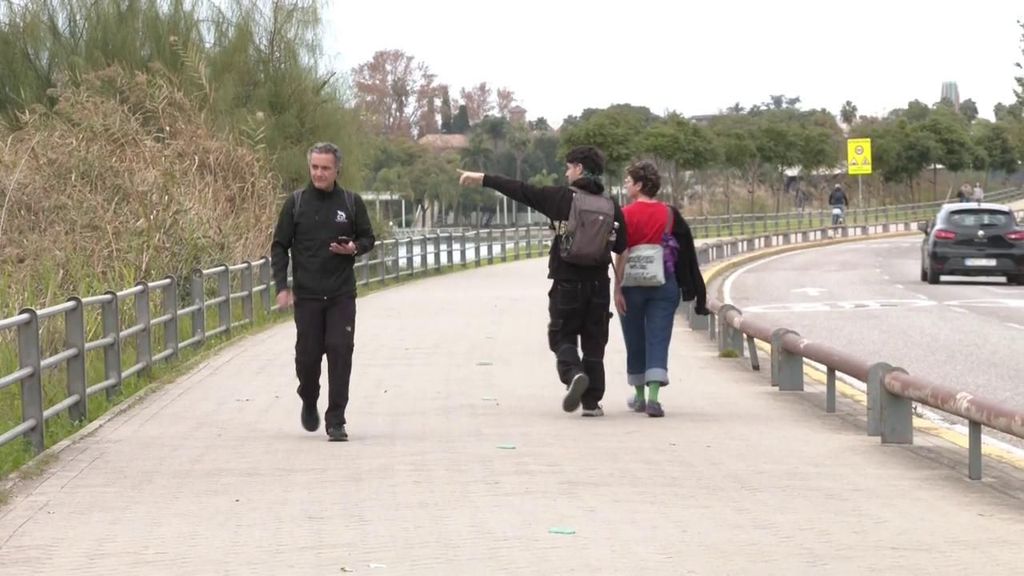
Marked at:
<point>647,312</point>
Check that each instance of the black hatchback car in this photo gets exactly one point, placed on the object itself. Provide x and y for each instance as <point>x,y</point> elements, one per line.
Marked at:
<point>972,240</point>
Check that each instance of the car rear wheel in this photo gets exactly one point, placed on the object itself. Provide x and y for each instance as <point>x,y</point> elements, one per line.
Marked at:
<point>933,276</point>
<point>924,273</point>
<point>1017,279</point>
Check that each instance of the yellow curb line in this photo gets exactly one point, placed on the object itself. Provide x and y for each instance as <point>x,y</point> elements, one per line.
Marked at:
<point>920,424</point>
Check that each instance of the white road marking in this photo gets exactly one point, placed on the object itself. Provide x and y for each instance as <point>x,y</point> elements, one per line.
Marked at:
<point>727,286</point>
<point>1017,326</point>
<point>960,310</point>
<point>812,292</point>
<point>900,286</point>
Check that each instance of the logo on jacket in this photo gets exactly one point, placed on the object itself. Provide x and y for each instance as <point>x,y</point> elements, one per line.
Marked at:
<point>341,217</point>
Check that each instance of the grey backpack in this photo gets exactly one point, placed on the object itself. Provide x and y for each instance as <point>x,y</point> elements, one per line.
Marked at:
<point>586,237</point>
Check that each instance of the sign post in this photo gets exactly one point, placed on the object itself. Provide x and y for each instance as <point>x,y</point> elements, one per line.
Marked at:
<point>858,162</point>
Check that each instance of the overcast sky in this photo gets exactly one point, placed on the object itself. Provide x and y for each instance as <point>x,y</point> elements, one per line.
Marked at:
<point>563,56</point>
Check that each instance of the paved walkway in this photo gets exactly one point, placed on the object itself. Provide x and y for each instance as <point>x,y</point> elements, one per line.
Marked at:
<point>213,475</point>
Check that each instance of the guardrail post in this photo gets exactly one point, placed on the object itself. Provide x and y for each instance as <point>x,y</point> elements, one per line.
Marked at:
<point>830,391</point>
<point>112,352</point>
<point>144,339</point>
<point>787,367</point>
<point>423,253</point>
<point>490,245</point>
<point>875,384</point>
<point>463,258</point>
<point>755,363</point>
<point>74,337</point>
<point>250,293</point>
<point>974,450</point>
<point>171,326</point>
<point>199,299</point>
<point>896,412</point>
<point>267,281</point>
<point>410,251</point>
<point>29,356</point>
<point>224,291</point>
<point>729,338</point>
<point>437,251</point>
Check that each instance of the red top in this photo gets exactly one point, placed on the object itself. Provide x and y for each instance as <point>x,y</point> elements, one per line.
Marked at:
<point>645,222</point>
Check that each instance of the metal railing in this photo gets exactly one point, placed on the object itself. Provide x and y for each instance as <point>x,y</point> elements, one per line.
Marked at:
<point>890,390</point>
<point>749,224</point>
<point>233,295</point>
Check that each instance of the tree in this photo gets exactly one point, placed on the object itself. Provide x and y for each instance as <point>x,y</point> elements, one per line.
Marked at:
<point>540,125</point>
<point>677,146</point>
<point>505,100</point>
<point>969,110</point>
<point>996,147</point>
<point>391,90</point>
<point>615,131</point>
<point>736,135</point>
<point>519,143</point>
<point>949,132</point>
<point>495,128</point>
<point>460,124</point>
<point>848,114</point>
<point>428,118</point>
<point>446,109</point>
<point>478,101</point>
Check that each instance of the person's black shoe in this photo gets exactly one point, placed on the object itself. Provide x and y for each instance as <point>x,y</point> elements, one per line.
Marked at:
<point>310,417</point>
<point>337,433</point>
<point>574,394</point>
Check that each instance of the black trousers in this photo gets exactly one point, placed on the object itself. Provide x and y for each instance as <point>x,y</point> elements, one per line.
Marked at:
<point>325,326</point>
<point>579,315</point>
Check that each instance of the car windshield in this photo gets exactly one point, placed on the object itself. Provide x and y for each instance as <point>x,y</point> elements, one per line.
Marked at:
<point>980,218</point>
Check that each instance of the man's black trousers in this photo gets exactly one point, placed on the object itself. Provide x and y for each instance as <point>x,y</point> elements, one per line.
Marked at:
<point>325,326</point>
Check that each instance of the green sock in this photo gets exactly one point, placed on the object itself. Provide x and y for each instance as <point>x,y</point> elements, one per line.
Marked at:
<point>639,393</point>
<point>652,391</point>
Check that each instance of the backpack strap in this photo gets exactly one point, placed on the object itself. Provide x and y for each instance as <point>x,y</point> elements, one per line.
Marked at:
<point>668,222</point>
<point>296,201</point>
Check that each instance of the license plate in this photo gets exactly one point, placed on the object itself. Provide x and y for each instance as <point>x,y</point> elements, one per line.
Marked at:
<point>980,261</point>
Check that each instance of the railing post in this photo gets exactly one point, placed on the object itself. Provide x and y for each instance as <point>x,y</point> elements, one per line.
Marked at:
<point>449,250</point>
<point>463,253</point>
<point>199,299</point>
<point>490,245</point>
<point>830,391</point>
<point>876,375</point>
<point>410,251</point>
<point>437,251</point>
<point>171,326</point>
<point>974,450</point>
<point>112,352</point>
<point>74,337</point>
<point>728,337</point>
<point>787,367</point>
<point>479,247</point>
<point>249,289</point>
<point>224,291</point>
<point>29,356</point>
<point>897,413</point>
<point>423,253</point>
<point>529,241</point>
<point>144,339</point>
<point>267,281</point>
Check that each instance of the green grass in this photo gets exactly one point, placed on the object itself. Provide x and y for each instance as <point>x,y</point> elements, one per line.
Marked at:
<point>15,455</point>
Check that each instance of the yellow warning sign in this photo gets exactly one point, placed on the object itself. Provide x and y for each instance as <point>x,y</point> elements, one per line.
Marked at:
<point>858,156</point>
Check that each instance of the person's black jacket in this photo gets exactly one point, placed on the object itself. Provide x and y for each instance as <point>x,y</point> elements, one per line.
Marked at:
<point>321,218</point>
<point>555,202</point>
<point>838,198</point>
<point>688,276</point>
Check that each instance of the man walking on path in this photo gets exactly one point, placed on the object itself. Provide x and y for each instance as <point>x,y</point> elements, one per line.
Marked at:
<point>324,227</point>
<point>579,301</point>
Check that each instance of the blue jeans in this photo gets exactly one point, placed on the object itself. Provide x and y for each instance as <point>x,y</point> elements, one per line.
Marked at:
<point>647,330</point>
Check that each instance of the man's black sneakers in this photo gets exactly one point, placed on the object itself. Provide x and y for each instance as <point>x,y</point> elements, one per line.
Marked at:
<point>336,433</point>
<point>574,395</point>
<point>310,417</point>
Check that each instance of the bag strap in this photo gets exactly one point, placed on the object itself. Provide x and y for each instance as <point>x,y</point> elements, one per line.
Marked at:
<point>668,222</point>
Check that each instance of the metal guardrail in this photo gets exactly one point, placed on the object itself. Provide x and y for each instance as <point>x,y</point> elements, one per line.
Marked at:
<point>391,260</point>
<point>891,391</point>
<point>223,288</point>
<point>749,224</point>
